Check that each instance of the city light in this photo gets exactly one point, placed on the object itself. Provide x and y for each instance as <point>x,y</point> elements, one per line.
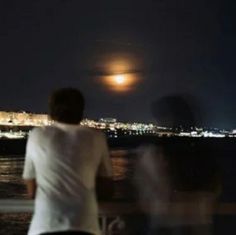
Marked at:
<point>17,125</point>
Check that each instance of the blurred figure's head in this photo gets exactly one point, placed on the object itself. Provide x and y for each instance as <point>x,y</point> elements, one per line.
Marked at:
<point>66,105</point>
<point>176,111</point>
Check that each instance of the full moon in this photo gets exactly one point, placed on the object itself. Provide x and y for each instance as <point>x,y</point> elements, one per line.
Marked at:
<point>120,82</point>
<point>119,79</point>
<point>120,74</point>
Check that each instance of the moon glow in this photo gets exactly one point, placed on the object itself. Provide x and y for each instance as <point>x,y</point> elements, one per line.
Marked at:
<point>120,74</point>
<point>120,82</point>
<point>119,79</point>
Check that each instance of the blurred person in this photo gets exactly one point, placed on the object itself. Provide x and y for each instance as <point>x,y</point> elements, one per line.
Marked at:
<point>61,165</point>
<point>177,180</point>
<point>152,185</point>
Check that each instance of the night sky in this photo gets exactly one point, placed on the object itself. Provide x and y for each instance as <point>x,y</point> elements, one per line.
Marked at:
<point>170,46</point>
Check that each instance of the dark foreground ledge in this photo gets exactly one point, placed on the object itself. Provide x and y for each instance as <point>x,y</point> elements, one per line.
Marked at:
<point>111,208</point>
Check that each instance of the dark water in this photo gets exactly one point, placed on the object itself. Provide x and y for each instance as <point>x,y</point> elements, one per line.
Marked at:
<point>11,167</point>
<point>221,150</point>
<point>11,184</point>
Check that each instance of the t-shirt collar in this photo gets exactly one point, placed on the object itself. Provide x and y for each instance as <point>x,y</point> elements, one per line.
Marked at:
<point>65,126</point>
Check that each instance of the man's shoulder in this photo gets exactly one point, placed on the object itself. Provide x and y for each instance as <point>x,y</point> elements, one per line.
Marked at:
<point>40,131</point>
<point>35,131</point>
<point>92,131</point>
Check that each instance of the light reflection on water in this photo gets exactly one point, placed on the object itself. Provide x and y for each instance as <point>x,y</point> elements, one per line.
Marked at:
<point>11,183</point>
<point>120,164</point>
<point>11,167</point>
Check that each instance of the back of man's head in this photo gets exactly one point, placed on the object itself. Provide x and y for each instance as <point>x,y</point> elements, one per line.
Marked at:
<point>66,105</point>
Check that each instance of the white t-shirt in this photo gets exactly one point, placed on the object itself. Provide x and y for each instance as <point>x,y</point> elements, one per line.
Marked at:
<point>64,160</point>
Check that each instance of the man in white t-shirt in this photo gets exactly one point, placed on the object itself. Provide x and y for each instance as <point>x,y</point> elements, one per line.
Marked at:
<point>61,166</point>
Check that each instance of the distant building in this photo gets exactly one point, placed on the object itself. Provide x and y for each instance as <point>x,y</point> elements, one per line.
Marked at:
<point>23,119</point>
<point>108,120</point>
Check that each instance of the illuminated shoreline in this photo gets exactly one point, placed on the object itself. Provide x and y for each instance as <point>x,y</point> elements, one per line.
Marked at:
<point>14,125</point>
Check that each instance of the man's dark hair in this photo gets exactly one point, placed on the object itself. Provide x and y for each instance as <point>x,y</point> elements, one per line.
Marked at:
<point>66,105</point>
